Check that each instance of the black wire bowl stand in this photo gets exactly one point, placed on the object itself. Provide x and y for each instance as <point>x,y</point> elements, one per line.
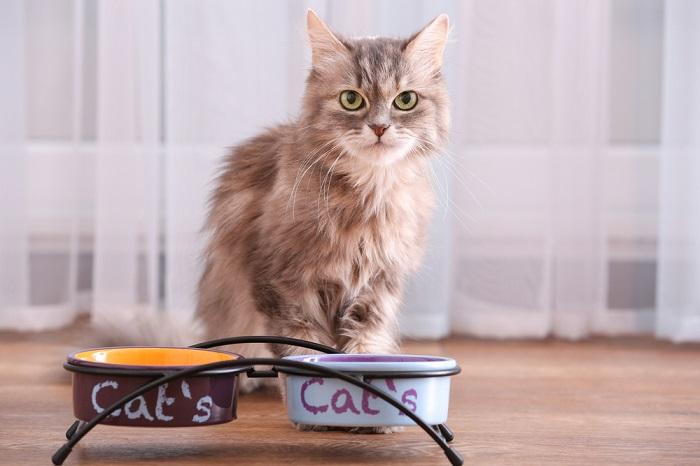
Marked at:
<point>440,433</point>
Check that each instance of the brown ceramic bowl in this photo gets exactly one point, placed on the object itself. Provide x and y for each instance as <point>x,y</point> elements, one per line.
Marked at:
<point>101,376</point>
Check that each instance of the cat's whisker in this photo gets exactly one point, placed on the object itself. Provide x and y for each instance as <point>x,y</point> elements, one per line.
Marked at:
<point>321,182</point>
<point>452,159</point>
<point>329,175</point>
<point>329,171</point>
<point>457,211</point>
<point>456,174</point>
<point>452,168</point>
<point>298,179</point>
<point>302,167</point>
<point>337,142</point>
<point>318,159</point>
<point>472,195</point>
<point>443,190</point>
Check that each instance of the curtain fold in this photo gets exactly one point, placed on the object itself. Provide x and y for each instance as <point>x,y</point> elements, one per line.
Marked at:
<point>32,296</point>
<point>576,249</point>
<point>128,175</point>
<point>14,274</point>
<point>531,248</point>
<point>678,310</point>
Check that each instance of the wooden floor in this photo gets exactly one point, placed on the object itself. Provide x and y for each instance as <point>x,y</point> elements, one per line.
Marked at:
<point>551,402</point>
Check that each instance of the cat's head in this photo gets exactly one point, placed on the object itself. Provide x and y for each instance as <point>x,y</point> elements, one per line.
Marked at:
<point>380,100</point>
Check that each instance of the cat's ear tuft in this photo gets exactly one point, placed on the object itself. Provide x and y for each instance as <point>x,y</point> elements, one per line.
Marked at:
<point>323,42</point>
<point>428,45</point>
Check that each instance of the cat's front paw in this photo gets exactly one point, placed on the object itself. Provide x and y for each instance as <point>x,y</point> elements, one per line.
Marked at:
<point>310,427</point>
<point>375,430</point>
<point>352,430</point>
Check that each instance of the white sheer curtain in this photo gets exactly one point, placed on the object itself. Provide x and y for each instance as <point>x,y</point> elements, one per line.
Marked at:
<point>128,154</point>
<point>38,274</point>
<point>531,250</point>
<point>116,113</point>
<point>13,230</point>
<point>678,315</point>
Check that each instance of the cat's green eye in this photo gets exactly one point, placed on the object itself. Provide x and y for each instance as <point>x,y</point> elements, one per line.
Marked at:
<point>406,100</point>
<point>351,100</point>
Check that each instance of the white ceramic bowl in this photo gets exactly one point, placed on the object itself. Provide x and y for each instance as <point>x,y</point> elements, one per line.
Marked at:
<point>421,383</point>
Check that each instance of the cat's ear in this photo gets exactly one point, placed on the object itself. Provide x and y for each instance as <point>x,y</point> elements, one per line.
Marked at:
<point>323,42</point>
<point>427,46</point>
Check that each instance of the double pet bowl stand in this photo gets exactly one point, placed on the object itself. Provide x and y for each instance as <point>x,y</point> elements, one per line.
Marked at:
<point>440,433</point>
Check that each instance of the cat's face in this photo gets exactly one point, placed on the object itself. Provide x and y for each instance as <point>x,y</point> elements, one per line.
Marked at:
<point>379,100</point>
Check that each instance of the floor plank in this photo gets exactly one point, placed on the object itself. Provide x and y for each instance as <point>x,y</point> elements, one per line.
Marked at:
<point>633,401</point>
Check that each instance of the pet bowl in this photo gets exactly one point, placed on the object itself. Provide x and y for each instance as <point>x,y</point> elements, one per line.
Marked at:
<point>420,383</point>
<point>101,376</point>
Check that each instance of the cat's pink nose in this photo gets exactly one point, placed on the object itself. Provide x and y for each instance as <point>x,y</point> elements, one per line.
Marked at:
<point>379,129</point>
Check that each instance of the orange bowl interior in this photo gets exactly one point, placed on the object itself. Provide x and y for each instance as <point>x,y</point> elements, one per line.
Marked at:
<point>153,356</point>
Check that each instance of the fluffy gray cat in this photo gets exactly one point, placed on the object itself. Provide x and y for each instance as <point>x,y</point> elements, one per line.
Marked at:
<point>316,224</point>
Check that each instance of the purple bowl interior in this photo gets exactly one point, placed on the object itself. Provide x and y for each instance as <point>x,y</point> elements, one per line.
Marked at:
<point>378,363</point>
<point>367,358</point>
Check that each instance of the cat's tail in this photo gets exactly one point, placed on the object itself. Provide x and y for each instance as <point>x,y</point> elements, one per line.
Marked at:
<point>135,327</point>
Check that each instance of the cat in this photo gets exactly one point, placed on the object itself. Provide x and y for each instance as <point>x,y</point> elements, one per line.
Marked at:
<point>315,225</point>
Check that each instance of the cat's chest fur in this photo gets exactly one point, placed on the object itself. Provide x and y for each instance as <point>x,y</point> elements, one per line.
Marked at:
<point>355,231</point>
<point>384,232</point>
